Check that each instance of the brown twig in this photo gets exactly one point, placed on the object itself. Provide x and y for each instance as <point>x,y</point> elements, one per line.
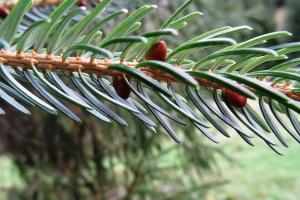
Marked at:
<point>99,67</point>
<point>38,3</point>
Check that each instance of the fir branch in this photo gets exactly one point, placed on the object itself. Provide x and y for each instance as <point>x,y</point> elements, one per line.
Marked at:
<point>137,63</point>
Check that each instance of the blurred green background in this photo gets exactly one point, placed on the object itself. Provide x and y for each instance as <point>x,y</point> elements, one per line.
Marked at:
<point>45,157</point>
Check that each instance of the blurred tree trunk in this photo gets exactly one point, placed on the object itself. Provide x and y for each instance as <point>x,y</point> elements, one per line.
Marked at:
<point>293,19</point>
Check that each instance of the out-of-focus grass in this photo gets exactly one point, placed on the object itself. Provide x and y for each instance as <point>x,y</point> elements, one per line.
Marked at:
<point>10,178</point>
<point>259,173</point>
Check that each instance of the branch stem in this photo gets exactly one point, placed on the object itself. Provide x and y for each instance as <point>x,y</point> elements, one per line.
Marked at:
<point>37,3</point>
<point>99,67</point>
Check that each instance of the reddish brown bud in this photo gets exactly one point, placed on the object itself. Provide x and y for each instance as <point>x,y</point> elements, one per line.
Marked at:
<point>4,12</point>
<point>120,86</point>
<point>158,52</point>
<point>82,3</point>
<point>235,99</point>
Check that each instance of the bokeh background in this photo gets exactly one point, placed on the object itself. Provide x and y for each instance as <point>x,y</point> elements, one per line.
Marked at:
<point>46,157</point>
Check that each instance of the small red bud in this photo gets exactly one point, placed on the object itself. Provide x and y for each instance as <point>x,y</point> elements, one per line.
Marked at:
<point>158,51</point>
<point>235,99</point>
<point>120,86</point>
<point>82,3</point>
<point>4,12</point>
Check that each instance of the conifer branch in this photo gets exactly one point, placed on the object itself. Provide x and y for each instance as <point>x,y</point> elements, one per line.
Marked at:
<point>42,51</point>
